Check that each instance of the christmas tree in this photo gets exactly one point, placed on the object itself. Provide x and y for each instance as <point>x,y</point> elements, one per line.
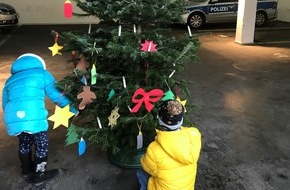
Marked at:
<point>124,67</point>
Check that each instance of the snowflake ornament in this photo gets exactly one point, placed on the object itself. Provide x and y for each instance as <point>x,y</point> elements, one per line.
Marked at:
<point>113,117</point>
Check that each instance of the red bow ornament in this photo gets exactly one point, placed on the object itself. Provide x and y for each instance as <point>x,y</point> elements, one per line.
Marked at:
<point>148,98</point>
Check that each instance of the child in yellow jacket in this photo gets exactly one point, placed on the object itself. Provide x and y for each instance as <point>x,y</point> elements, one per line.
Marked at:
<point>170,162</point>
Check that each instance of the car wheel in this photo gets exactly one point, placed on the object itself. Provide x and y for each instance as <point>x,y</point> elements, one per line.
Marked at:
<point>196,20</point>
<point>261,18</point>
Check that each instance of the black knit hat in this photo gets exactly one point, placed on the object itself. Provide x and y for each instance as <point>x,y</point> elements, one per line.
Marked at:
<point>170,114</point>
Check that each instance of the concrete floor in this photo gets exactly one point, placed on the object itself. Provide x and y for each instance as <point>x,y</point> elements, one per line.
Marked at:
<point>243,94</point>
<point>244,100</point>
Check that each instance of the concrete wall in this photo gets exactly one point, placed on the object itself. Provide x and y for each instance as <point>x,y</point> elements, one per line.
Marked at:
<point>51,12</point>
<point>46,12</point>
<point>284,10</point>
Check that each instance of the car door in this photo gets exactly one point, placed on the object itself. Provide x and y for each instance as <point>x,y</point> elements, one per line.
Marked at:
<point>222,10</point>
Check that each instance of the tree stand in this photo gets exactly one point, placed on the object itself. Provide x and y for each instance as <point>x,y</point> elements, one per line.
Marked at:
<point>127,158</point>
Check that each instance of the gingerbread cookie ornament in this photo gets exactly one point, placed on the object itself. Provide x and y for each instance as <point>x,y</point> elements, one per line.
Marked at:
<point>87,97</point>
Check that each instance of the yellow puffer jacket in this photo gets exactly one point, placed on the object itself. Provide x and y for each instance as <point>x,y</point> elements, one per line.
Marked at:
<point>171,159</point>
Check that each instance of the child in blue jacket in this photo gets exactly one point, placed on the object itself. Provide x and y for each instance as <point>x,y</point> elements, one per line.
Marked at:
<point>25,115</point>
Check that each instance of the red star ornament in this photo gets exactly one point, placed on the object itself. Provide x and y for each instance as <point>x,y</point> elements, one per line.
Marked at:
<point>149,46</point>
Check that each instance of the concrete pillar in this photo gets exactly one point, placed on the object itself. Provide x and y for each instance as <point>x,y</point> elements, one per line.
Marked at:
<point>246,21</point>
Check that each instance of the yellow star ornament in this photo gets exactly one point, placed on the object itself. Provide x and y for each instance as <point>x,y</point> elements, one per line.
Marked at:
<point>61,116</point>
<point>55,49</point>
<point>183,102</point>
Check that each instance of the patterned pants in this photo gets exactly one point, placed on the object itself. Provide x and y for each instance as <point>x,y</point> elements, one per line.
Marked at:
<point>40,141</point>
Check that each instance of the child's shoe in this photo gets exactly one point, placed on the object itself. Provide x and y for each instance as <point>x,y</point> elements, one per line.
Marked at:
<point>40,178</point>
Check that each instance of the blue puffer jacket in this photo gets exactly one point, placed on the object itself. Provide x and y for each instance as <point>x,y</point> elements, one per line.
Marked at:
<point>23,96</point>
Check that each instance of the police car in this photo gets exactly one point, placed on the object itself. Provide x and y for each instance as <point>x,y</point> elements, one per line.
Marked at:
<point>200,12</point>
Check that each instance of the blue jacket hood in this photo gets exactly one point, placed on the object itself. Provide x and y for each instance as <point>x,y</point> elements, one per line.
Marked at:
<point>27,61</point>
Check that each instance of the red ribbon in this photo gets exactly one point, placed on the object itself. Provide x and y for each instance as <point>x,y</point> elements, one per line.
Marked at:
<point>56,38</point>
<point>148,98</point>
<point>74,58</point>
